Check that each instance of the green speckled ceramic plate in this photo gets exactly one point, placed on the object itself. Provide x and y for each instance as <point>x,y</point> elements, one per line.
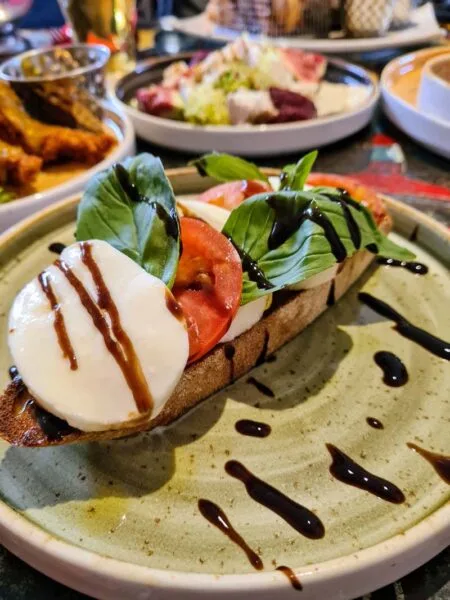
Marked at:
<point>120,519</point>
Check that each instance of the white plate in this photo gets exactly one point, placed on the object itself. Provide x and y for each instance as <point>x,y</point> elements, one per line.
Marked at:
<point>246,140</point>
<point>431,132</point>
<point>121,125</point>
<point>424,28</point>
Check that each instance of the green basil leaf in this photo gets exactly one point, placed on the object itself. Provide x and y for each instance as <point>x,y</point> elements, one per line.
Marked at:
<point>384,245</point>
<point>294,177</point>
<point>132,207</point>
<point>304,250</point>
<point>225,167</point>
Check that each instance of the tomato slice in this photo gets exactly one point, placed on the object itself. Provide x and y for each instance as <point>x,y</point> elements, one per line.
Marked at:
<point>208,284</point>
<point>231,194</point>
<point>359,192</point>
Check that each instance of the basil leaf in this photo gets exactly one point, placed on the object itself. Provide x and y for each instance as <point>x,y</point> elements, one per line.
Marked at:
<point>225,167</point>
<point>293,177</point>
<point>132,207</point>
<point>384,245</point>
<point>276,240</point>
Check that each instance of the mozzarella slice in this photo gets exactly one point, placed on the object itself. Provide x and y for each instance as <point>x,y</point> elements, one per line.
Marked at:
<point>247,316</point>
<point>96,396</point>
<point>316,280</point>
<point>216,216</point>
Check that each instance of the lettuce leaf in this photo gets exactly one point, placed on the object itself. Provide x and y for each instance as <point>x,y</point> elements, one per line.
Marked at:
<point>132,207</point>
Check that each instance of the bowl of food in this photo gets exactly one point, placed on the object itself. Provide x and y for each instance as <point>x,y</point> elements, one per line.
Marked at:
<point>55,128</point>
<point>265,485</point>
<point>248,97</point>
<point>401,89</point>
<point>434,90</point>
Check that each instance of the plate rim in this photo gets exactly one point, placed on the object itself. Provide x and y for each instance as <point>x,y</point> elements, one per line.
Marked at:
<point>327,45</point>
<point>48,553</point>
<point>263,129</point>
<point>128,141</point>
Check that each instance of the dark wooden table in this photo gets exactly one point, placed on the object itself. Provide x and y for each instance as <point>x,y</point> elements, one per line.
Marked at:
<point>430,582</point>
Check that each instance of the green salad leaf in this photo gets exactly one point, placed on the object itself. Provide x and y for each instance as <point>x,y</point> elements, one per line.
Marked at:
<point>225,167</point>
<point>293,177</point>
<point>287,237</point>
<point>132,207</point>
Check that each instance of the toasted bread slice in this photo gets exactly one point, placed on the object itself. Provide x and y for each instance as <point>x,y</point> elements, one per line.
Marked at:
<point>23,423</point>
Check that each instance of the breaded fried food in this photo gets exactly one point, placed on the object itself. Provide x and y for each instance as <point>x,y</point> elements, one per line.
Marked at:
<point>50,142</point>
<point>17,167</point>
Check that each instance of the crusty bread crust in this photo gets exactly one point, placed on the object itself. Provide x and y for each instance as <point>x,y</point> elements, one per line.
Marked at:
<point>289,315</point>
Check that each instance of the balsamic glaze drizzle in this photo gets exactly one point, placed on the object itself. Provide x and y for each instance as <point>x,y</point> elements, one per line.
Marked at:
<point>394,371</point>
<point>250,266</point>
<point>295,581</point>
<point>168,217</point>
<point>173,306</point>
<point>417,268</point>
<point>344,200</point>
<point>440,462</point>
<point>299,517</point>
<point>375,423</point>
<point>13,372</point>
<point>262,355</point>
<point>52,427</point>
<point>114,336</point>
<point>347,471</point>
<point>230,351</point>
<point>56,247</point>
<point>261,387</point>
<point>421,337</point>
<point>253,428</point>
<point>331,299</point>
<point>286,224</point>
<point>215,515</point>
<point>59,323</point>
<point>414,233</point>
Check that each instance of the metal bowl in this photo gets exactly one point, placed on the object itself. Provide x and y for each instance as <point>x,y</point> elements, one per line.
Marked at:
<point>83,62</point>
<point>46,79</point>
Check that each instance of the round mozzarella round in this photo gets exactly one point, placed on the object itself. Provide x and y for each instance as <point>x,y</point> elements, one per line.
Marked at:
<point>96,396</point>
<point>316,280</point>
<point>216,216</point>
<point>247,316</point>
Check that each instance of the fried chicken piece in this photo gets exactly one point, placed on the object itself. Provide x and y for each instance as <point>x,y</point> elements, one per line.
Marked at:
<point>50,142</point>
<point>17,167</point>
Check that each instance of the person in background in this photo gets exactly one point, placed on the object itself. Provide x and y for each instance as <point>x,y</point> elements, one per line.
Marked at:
<point>42,15</point>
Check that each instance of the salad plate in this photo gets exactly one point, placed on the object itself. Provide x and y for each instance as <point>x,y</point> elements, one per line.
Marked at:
<point>400,84</point>
<point>423,28</point>
<point>121,518</point>
<point>60,181</point>
<point>248,139</point>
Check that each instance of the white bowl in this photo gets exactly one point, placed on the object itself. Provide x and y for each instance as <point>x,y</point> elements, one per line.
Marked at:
<point>18,209</point>
<point>434,90</point>
<point>400,106</point>
<point>246,140</point>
